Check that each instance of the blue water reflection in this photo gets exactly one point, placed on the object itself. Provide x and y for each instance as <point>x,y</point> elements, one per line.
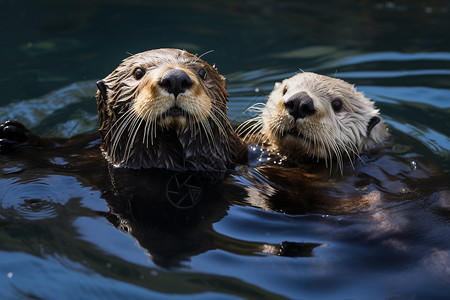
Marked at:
<point>263,233</point>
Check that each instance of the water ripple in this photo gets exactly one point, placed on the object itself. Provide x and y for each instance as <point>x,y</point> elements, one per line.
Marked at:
<point>389,56</point>
<point>391,74</point>
<point>43,197</point>
<point>437,142</point>
<point>397,94</point>
<point>32,199</point>
<point>31,112</point>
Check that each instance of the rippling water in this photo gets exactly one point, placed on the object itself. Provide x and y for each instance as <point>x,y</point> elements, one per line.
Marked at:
<point>71,231</point>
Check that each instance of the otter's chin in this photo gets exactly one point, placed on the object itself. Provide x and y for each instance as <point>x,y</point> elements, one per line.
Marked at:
<point>295,136</point>
<point>174,121</point>
<point>175,112</point>
<point>293,133</point>
<point>294,143</point>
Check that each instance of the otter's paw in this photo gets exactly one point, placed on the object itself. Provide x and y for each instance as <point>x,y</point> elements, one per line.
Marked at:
<point>13,135</point>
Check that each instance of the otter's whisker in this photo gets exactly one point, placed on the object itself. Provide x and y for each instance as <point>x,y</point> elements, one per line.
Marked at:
<point>116,136</point>
<point>146,117</point>
<point>114,125</point>
<point>129,132</point>
<point>135,125</point>
<point>346,149</point>
<point>219,124</point>
<point>191,129</point>
<point>248,124</point>
<point>337,153</point>
<point>154,129</point>
<point>206,130</point>
<point>222,115</point>
<point>120,126</point>
<point>199,127</point>
<point>251,130</point>
<point>256,108</point>
<point>354,149</point>
<point>196,58</point>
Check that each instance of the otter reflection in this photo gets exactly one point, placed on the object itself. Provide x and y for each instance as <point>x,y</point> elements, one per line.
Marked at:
<point>171,215</point>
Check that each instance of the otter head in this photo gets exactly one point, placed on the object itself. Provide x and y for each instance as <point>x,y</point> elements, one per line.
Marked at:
<point>315,116</point>
<point>165,108</point>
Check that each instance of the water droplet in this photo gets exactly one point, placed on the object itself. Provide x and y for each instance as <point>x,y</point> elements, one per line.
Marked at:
<point>413,165</point>
<point>257,90</point>
<point>10,275</point>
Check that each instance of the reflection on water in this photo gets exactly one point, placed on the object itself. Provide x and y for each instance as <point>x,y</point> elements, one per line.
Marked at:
<point>259,231</point>
<point>172,216</point>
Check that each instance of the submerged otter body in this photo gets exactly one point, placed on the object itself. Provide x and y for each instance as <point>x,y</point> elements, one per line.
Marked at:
<point>311,116</point>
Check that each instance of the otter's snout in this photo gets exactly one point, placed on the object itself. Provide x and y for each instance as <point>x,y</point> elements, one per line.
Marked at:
<point>300,105</point>
<point>175,81</point>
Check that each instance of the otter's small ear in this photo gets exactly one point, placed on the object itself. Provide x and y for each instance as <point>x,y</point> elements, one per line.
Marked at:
<point>277,84</point>
<point>102,88</point>
<point>373,121</point>
<point>225,81</point>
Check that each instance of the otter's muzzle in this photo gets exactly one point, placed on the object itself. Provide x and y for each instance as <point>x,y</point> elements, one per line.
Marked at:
<point>175,81</point>
<point>300,105</point>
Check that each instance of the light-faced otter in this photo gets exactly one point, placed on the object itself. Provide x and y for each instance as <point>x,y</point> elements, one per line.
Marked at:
<point>317,117</point>
<point>163,108</point>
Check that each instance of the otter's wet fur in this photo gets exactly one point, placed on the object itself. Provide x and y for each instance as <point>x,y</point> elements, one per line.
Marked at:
<point>311,116</point>
<point>143,124</point>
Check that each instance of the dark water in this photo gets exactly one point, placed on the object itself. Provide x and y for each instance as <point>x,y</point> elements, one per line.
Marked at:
<point>377,232</point>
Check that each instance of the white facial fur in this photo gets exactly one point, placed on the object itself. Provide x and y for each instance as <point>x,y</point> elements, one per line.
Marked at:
<point>326,133</point>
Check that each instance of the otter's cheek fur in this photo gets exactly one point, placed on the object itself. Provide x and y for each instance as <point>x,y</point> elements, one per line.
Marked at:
<point>277,120</point>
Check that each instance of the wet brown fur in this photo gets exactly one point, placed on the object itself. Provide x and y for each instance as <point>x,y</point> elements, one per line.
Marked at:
<point>136,133</point>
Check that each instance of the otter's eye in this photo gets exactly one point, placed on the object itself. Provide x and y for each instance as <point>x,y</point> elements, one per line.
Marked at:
<point>284,90</point>
<point>202,74</point>
<point>139,73</point>
<point>336,104</point>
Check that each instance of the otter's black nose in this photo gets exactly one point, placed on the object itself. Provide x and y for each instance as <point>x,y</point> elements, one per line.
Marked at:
<point>175,81</point>
<point>300,105</point>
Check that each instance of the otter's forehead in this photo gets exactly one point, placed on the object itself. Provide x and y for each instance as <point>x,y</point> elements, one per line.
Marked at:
<point>316,84</point>
<point>160,57</point>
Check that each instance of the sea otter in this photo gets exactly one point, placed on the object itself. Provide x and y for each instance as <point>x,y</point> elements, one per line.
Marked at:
<point>163,108</point>
<point>317,117</point>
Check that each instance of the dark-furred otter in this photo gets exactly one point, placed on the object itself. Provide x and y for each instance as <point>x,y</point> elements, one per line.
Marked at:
<point>163,108</point>
<point>311,116</point>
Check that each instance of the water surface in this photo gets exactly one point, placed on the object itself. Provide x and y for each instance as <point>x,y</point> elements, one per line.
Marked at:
<point>69,231</point>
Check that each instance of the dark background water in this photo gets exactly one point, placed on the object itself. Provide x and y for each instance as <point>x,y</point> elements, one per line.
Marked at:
<point>397,53</point>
